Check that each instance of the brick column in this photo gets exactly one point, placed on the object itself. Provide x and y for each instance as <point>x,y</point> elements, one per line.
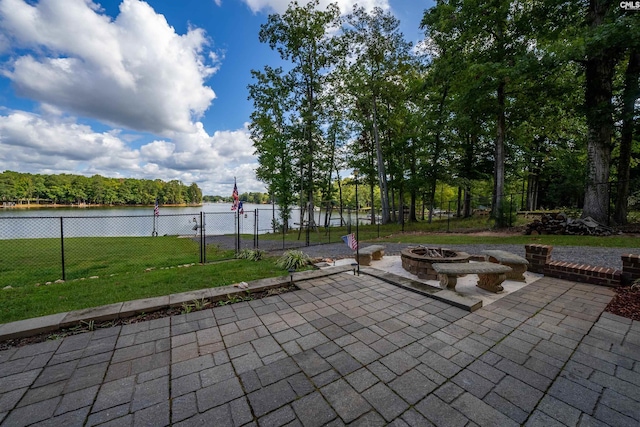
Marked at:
<point>538,256</point>
<point>630,268</point>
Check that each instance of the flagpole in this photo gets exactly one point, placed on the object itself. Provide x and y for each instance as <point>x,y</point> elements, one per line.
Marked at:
<point>235,207</point>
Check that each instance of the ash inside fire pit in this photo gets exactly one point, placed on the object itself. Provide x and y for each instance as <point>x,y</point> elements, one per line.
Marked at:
<point>418,260</point>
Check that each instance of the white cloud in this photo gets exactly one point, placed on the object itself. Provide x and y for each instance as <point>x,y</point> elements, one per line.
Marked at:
<point>22,133</point>
<point>346,6</point>
<point>42,144</point>
<point>133,72</point>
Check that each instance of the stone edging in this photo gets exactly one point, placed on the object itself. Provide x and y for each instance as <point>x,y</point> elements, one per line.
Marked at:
<point>54,322</point>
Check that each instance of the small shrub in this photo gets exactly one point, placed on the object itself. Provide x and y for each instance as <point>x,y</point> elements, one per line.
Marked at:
<point>251,254</point>
<point>196,305</point>
<point>201,304</point>
<point>292,260</point>
<point>186,308</point>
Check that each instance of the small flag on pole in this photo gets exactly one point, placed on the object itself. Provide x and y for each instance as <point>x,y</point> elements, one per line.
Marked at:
<point>156,210</point>
<point>240,207</point>
<point>235,197</point>
<point>350,240</point>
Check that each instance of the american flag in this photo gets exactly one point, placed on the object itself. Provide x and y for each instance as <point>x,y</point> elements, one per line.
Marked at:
<point>240,207</point>
<point>350,240</point>
<point>235,197</point>
<point>156,210</point>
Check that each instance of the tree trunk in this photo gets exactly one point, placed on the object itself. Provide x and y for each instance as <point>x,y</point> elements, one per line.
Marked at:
<point>498,170</point>
<point>340,196</point>
<point>629,96</point>
<point>472,140</point>
<point>401,204</point>
<point>373,209</point>
<point>413,191</point>
<point>532,190</point>
<point>392,209</point>
<point>412,207</point>
<point>467,201</point>
<point>432,197</point>
<point>382,175</point>
<point>600,67</point>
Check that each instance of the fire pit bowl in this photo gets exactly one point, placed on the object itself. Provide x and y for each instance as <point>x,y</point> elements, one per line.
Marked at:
<point>418,260</point>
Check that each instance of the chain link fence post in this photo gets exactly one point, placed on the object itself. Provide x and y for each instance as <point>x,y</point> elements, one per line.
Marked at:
<point>62,247</point>
<point>255,221</point>
<point>203,248</point>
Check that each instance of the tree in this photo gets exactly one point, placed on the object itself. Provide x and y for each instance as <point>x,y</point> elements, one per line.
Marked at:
<point>301,37</point>
<point>194,194</point>
<point>270,133</point>
<point>601,56</point>
<point>630,95</point>
<point>377,52</point>
<point>492,51</point>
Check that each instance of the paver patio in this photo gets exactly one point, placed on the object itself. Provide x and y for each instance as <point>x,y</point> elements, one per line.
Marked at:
<point>343,350</point>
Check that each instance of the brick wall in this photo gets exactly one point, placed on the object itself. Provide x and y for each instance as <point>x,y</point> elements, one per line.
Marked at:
<point>630,268</point>
<point>583,273</point>
<point>538,256</point>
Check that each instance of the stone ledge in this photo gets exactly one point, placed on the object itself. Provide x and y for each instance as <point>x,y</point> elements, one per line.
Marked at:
<point>457,300</point>
<point>29,327</point>
<point>97,314</point>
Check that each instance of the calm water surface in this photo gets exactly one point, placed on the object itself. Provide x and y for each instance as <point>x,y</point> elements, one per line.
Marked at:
<point>140,221</point>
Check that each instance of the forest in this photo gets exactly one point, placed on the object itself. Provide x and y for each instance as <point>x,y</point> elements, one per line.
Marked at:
<point>77,189</point>
<point>248,197</point>
<point>537,98</point>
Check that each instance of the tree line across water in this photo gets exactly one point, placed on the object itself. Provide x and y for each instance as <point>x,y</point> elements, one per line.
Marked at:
<point>77,189</point>
<point>532,97</point>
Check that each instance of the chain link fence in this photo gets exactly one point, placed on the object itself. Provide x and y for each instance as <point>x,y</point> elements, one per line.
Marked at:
<point>41,249</point>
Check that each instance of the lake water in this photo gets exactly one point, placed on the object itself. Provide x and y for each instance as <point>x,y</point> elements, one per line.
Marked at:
<point>140,221</point>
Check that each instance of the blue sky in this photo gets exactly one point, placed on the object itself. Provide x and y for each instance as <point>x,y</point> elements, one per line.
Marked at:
<point>127,88</point>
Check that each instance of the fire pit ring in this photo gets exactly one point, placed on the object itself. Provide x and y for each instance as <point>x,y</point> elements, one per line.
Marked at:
<point>417,260</point>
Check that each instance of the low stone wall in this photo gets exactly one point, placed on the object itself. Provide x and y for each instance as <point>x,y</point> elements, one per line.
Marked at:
<point>420,265</point>
<point>539,257</point>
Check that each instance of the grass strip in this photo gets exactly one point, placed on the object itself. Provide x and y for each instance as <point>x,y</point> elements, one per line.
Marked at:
<point>32,301</point>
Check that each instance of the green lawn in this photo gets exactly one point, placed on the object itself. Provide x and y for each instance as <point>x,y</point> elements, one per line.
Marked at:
<point>106,270</point>
<point>30,261</point>
<point>31,301</point>
<point>102,271</point>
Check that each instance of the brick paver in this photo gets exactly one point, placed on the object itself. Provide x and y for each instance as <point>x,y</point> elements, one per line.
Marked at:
<point>342,350</point>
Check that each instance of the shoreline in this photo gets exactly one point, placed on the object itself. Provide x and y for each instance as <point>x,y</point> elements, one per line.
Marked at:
<point>5,205</point>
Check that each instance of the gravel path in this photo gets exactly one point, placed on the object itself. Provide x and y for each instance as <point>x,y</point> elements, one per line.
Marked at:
<point>602,257</point>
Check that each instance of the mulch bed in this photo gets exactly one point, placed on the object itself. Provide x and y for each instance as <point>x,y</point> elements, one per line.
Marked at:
<point>626,302</point>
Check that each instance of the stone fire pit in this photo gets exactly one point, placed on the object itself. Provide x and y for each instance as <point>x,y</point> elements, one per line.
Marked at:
<point>418,260</point>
